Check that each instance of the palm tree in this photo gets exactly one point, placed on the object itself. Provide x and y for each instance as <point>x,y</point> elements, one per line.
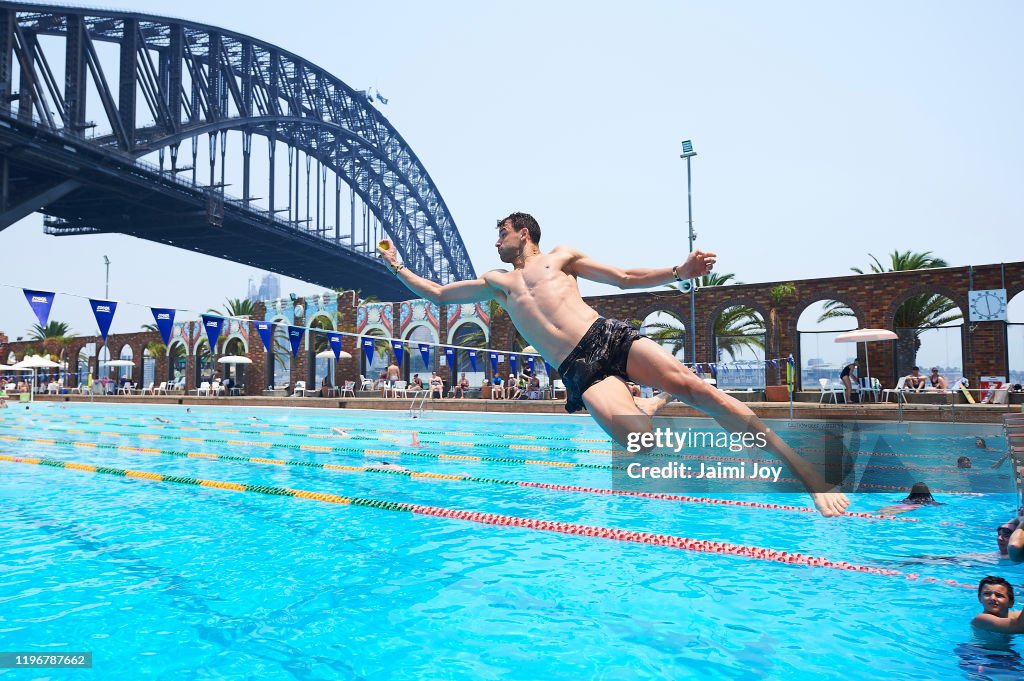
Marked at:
<point>55,336</point>
<point>778,295</point>
<point>917,314</point>
<point>236,307</point>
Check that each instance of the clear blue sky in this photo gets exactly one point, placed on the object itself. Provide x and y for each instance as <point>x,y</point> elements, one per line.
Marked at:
<point>824,132</point>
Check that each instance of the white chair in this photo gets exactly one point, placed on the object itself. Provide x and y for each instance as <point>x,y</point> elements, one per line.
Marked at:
<point>203,389</point>
<point>829,388</point>
<point>126,389</point>
<point>300,389</point>
<point>148,389</point>
<point>365,383</point>
<point>557,387</point>
<point>897,391</point>
<point>160,389</point>
<point>399,388</point>
<point>348,387</point>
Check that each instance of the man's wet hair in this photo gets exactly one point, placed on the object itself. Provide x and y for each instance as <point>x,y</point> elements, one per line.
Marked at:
<point>523,220</point>
<point>996,581</point>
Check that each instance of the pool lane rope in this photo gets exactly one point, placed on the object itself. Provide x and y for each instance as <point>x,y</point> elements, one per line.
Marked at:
<point>427,476</point>
<point>426,455</point>
<point>576,529</point>
<point>695,457</point>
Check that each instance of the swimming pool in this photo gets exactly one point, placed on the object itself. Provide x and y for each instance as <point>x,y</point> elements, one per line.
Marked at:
<point>383,574</point>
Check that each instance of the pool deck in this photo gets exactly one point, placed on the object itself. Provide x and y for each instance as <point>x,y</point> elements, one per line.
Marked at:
<point>977,413</point>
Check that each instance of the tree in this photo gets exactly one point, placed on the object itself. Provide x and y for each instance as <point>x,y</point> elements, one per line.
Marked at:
<point>917,314</point>
<point>736,328</point>
<point>236,307</point>
<point>55,337</point>
<point>778,295</point>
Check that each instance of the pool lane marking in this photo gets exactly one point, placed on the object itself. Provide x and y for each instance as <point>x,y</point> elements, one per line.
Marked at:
<point>696,457</point>
<point>493,481</point>
<point>498,445</point>
<point>576,529</point>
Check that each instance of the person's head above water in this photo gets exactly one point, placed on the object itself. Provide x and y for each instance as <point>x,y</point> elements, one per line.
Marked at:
<point>919,494</point>
<point>995,595</point>
<point>513,240</point>
<point>963,462</point>
<point>1003,534</point>
<point>979,442</point>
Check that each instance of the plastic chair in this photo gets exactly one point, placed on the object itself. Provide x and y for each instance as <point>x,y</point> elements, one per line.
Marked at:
<point>348,387</point>
<point>897,391</point>
<point>829,388</point>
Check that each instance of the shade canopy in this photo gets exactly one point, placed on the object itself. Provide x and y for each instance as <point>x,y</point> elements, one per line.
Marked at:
<point>529,350</point>
<point>118,363</point>
<point>35,362</point>
<point>329,354</point>
<point>234,359</point>
<point>865,336</point>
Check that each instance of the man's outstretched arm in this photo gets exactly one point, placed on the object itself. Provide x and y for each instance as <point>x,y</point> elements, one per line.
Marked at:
<point>468,291</point>
<point>696,264</point>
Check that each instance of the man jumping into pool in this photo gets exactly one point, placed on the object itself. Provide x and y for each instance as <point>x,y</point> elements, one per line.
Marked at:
<point>596,356</point>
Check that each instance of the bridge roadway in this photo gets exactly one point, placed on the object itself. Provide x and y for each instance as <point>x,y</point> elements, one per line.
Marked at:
<point>86,190</point>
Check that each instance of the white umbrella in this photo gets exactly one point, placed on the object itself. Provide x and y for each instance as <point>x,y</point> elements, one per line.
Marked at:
<point>865,336</point>
<point>234,359</point>
<point>118,363</point>
<point>31,364</point>
<point>329,354</point>
<point>529,350</point>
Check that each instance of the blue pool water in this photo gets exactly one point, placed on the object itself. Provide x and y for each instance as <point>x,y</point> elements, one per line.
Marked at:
<point>162,580</point>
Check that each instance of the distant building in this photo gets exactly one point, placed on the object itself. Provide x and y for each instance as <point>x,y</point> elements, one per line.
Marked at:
<point>270,287</point>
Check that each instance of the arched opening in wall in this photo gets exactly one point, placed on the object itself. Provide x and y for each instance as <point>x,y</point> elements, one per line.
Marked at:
<point>124,373</point>
<point>739,348</point>
<point>148,367</point>
<point>204,362</point>
<point>1015,339</point>
<point>177,363</point>
<point>929,330</point>
<point>323,367</point>
<point>234,347</point>
<point>85,356</point>
<point>470,335</point>
<point>415,364</point>
<point>104,372</point>
<point>821,357</point>
<point>376,366</point>
<point>282,356</point>
<point>669,331</point>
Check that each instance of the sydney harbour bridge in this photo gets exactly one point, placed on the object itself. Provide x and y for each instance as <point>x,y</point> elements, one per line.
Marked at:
<point>211,141</point>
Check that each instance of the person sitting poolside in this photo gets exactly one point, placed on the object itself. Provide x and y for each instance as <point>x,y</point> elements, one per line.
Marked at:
<point>915,381</point>
<point>460,388</point>
<point>935,381</point>
<point>919,496</point>
<point>436,386</point>
<point>996,597</point>
<point>497,388</point>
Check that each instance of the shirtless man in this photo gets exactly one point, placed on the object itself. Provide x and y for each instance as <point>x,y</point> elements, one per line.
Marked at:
<point>543,301</point>
<point>393,376</point>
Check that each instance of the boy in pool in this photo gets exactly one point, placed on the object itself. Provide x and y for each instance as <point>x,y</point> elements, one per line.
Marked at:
<point>596,356</point>
<point>996,597</point>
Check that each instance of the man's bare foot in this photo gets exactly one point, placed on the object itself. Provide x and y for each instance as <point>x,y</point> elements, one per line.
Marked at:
<point>651,405</point>
<point>830,504</point>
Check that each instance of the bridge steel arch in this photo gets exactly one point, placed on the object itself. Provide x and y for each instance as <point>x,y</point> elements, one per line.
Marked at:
<point>177,80</point>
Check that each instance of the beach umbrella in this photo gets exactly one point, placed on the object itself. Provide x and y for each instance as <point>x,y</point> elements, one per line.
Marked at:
<point>529,350</point>
<point>31,364</point>
<point>234,359</point>
<point>866,336</point>
<point>329,354</point>
<point>118,363</point>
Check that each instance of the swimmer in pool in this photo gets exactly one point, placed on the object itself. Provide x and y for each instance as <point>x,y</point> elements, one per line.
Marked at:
<point>996,597</point>
<point>596,356</point>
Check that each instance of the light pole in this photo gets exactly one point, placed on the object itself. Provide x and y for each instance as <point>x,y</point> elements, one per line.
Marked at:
<point>106,261</point>
<point>689,153</point>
